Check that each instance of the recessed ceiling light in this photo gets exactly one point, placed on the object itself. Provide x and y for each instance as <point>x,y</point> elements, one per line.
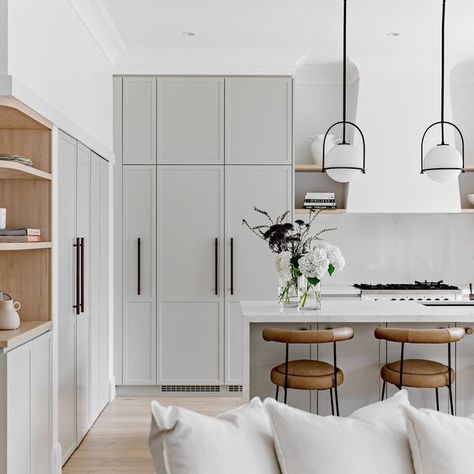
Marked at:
<point>188,33</point>
<point>393,34</point>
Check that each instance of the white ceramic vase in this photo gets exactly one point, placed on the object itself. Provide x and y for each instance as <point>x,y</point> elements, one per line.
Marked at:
<point>9,318</point>
<point>317,146</point>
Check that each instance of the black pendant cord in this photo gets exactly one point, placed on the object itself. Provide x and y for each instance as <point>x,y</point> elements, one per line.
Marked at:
<point>443,22</point>
<point>344,72</point>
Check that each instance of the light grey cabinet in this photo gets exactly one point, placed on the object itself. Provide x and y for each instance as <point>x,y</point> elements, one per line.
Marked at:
<point>190,124</point>
<point>258,120</point>
<point>139,275</point>
<point>190,274</point>
<point>82,247</point>
<point>25,408</point>
<point>139,120</point>
<point>252,274</point>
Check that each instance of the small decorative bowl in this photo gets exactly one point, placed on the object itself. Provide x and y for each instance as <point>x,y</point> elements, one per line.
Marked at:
<point>470,198</point>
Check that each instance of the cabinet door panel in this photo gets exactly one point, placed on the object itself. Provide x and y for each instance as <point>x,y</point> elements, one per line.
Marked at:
<point>190,120</point>
<point>83,206</point>
<point>139,120</point>
<point>191,342</point>
<point>104,286</point>
<point>19,392</point>
<point>190,218</point>
<point>66,296</point>
<point>258,120</point>
<point>41,405</point>
<point>139,325</point>
<point>254,275</point>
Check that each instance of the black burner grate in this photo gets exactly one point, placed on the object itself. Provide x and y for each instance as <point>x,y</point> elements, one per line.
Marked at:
<point>418,285</point>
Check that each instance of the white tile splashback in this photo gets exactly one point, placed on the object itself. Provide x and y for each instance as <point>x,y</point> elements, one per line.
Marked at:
<point>381,248</point>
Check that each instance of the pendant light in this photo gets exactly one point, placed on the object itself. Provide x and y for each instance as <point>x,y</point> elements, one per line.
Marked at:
<point>444,161</point>
<point>344,161</point>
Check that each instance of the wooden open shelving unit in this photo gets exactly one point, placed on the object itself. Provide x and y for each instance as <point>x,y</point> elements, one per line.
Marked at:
<point>25,191</point>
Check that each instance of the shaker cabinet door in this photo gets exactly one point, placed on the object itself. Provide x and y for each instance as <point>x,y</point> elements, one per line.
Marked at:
<point>258,120</point>
<point>139,120</point>
<point>190,274</point>
<point>139,275</point>
<point>250,267</point>
<point>190,124</point>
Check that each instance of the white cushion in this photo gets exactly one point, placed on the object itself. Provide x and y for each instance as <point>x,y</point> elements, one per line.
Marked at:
<point>440,443</point>
<point>373,440</point>
<point>236,442</point>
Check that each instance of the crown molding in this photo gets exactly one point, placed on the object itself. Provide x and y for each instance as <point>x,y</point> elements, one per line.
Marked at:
<point>98,21</point>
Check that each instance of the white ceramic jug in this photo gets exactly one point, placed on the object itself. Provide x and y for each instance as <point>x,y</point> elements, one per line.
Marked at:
<point>317,146</point>
<point>9,318</point>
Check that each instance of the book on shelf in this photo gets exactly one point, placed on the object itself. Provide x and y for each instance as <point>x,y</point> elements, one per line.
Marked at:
<point>20,231</point>
<point>15,239</point>
<point>315,195</point>
<point>16,158</point>
<point>312,206</point>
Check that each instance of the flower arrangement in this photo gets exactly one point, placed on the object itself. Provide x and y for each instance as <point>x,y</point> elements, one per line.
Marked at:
<point>302,259</point>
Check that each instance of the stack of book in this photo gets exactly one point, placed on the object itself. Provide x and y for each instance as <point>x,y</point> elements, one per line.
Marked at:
<point>20,235</point>
<point>319,201</point>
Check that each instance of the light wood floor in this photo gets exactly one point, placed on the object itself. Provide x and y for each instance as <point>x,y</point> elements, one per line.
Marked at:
<point>118,441</point>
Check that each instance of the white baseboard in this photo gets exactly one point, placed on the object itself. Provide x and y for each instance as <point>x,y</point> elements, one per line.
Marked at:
<point>112,391</point>
<point>57,459</point>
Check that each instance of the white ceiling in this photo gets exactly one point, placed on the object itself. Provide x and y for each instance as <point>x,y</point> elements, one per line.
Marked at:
<point>282,34</point>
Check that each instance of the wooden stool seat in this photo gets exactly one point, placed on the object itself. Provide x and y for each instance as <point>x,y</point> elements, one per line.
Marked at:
<point>306,374</point>
<point>418,373</point>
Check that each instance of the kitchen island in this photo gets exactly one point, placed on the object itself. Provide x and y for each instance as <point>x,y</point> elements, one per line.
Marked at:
<point>363,356</point>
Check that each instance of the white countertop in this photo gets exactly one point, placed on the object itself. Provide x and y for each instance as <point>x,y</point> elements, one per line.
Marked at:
<point>357,311</point>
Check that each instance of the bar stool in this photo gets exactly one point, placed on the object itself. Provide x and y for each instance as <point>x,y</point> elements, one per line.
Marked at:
<point>420,373</point>
<point>307,374</point>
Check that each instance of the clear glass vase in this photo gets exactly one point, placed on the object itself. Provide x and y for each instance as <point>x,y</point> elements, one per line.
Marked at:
<point>288,292</point>
<point>309,295</point>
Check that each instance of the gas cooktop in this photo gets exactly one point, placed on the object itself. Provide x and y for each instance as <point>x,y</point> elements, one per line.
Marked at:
<point>421,291</point>
<point>418,285</point>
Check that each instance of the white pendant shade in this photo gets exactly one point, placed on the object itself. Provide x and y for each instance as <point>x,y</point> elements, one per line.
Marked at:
<point>343,155</point>
<point>443,156</point>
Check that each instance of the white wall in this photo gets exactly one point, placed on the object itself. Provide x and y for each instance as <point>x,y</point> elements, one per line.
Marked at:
<point>53,54</point>
<point>403,247</point>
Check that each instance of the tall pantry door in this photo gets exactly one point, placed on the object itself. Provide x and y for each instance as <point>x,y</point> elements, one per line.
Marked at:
<point>83,209</point>
<point>190,234</point>
<point>139,275</point>
<point>67,295</point>
<point>250,267</point>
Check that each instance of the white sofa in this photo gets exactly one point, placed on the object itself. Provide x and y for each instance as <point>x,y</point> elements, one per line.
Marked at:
<point>388,437</point>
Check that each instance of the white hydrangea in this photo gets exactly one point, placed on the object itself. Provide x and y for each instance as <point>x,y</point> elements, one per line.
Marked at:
<point>314,264</point>
<point>333,253</point>
<point>283,265</point>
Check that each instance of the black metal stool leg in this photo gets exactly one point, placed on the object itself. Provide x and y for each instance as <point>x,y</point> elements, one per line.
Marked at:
<point>450,382</point>
<point>286,374</point>
<point>451,405</point>
<point>384,385</point>
<point>332,401</point>
<point>335,378</point>
<point>276,394</point>
<point>437,398</point>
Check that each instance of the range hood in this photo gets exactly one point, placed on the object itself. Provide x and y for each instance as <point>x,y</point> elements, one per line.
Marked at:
<point>393,110</point>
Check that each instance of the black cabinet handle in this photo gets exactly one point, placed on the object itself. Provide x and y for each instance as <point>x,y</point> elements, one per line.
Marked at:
<point>216,262</point>
<point>139,260</point>
<point>82,275</point>
<point>231,265</point>
<point>77,306</point>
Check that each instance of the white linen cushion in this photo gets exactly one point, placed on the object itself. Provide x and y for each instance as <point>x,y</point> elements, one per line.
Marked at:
<point>373,440</point>
<point>236,442</point>
<point>440,443</point>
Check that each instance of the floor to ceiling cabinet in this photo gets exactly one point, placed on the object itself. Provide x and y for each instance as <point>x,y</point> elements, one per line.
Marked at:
<point>82,275</point>
<point>223,146</point>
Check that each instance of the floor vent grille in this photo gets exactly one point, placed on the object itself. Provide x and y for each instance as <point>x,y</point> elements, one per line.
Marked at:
<point>234,388</point>
<point>190,388</point>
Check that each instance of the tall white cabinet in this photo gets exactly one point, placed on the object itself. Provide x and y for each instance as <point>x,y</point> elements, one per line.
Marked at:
<point>83,290</point>
<point>223,145</point>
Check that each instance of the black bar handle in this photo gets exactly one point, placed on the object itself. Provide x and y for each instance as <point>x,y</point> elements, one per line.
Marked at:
<point>77,306</point>
<point>82,275</point>
<point>231,265</point>
<point>139,267</point>
<point>216,262</point>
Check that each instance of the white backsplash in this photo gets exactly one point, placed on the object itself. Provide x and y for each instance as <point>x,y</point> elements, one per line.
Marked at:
<point>382,248</point>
